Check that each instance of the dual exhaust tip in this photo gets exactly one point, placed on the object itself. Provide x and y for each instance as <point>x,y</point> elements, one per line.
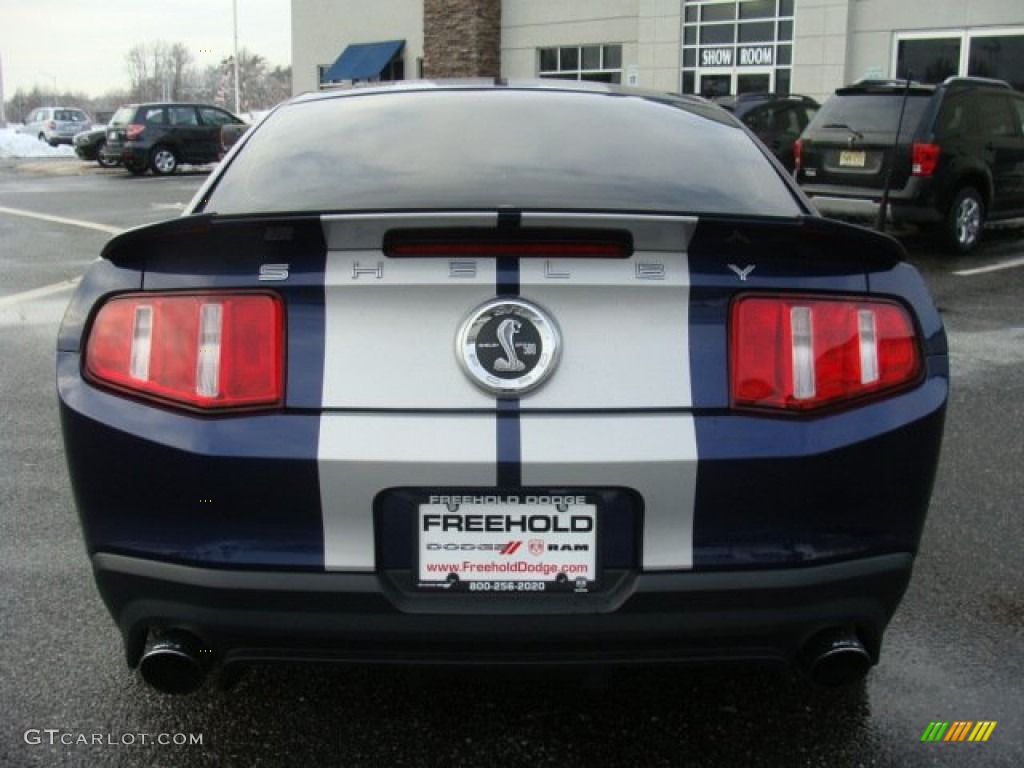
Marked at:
<point>835,658</point>
<point>172,661</point>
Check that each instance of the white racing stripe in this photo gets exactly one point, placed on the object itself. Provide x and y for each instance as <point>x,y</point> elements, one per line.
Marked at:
<point>390,328</point>
<point>655,455</point>
<point>362,454</point>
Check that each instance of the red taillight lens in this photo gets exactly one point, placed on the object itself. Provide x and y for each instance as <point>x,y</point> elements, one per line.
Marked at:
<point>798,154</point>
<point>203,351</point>
<point>133,131</point>
<point>799,354</point>
<point>924,158</point>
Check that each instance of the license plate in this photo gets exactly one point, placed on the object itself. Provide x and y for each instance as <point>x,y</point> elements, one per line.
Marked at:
<point>852,158</point>
<point>507,543</point>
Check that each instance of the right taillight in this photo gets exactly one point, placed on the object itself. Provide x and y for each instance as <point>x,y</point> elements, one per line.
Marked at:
<point>924,158</point>
<point>798,153</point>
<point>133,131</point>
<point>799,354</point>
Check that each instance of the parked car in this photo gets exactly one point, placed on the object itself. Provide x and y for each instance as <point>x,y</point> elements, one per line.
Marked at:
<point>163,136</point>
<point>393,392</point>
<point>89,146</point>
<point>230,133</point>
<point>956,163</point>
<point>776,119</point>
<point>55,125</point>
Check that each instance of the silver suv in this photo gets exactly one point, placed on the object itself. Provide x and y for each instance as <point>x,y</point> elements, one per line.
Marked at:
<point>56,125</point>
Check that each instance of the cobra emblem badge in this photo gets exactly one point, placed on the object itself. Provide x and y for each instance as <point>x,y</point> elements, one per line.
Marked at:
<point>508,347</point>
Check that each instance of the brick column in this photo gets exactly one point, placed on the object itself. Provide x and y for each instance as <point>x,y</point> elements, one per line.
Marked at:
<point>461,38</point>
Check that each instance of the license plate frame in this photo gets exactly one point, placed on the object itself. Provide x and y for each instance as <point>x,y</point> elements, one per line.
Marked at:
<point>507,543</point>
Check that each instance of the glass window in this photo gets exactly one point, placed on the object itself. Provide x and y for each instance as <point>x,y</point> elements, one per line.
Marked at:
<point>718,34</point>
<point>689,35</point>
<point>757,9</point>
<point>753,83</point>
<point>999,56</point>
<point>154,116</point>
<point>612,57</point>
<point>757,32</point>
<point>213,116</point>
<point>722,12</point>
<point>785,30</point>
<point>602,63</point>
<point>928,61</point>
<point>995,117</point>
<point>183,116</point>
<point>691,13</point>
<point>689,82</point>
<point>782,77</point>
<point>785,7</point>
<point>326,155</point>
<point>784,55</point>
<point>689,57</point>
<point>954,116</point>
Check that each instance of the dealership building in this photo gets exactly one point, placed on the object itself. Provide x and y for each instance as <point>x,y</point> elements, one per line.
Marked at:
<point>709,47</point>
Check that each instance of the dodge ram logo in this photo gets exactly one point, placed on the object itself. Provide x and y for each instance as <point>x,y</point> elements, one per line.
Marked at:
<point>508,346</point>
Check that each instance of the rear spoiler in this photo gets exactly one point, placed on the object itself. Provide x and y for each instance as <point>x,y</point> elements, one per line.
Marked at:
<point>204,236</point>
<point>806,237</point>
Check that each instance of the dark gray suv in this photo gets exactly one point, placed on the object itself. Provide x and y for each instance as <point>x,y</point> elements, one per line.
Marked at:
<point>957,161</point>
<point>160,137</point>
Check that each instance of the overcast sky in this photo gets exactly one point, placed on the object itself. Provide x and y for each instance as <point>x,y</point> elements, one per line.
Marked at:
<point>81,44</point>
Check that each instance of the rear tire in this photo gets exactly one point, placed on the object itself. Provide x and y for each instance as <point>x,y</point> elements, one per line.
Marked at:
<point>163,161</point>
<point>965,220</point>
<point>105,162</point>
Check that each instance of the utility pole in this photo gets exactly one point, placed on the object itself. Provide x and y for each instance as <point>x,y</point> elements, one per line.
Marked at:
<point>234,6</point>
<point>3,113</point>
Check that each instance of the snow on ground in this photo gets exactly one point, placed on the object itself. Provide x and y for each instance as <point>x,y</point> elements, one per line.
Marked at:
<point>14,144</point>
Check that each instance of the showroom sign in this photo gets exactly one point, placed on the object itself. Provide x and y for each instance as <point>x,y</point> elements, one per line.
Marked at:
<point>746,56</point>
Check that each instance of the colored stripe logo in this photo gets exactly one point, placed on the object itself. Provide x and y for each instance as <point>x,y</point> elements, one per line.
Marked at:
<point>958,730</point>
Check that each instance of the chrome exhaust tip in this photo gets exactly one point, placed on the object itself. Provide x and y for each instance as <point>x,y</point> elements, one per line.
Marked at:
<point>171,662</point>
<point>835,658</point>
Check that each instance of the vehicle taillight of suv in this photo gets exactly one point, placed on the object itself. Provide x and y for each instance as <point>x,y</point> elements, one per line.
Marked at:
<point>954,163</point>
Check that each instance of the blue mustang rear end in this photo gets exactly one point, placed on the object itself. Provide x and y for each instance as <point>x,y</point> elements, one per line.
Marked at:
<point>394,394</point>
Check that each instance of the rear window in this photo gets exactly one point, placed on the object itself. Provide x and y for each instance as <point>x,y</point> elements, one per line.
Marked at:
<point>123,116</point>
<point>70,115</point>
<point>872,113</point>
<point>485,149</point>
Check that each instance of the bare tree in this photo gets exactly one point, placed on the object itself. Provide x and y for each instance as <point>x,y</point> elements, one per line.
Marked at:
<point>159,70</point>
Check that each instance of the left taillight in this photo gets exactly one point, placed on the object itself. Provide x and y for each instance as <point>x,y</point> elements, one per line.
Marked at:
<point>207,351</point>
<point>799,354</point>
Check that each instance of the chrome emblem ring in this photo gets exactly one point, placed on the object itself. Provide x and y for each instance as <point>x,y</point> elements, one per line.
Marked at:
<point>508,347</point>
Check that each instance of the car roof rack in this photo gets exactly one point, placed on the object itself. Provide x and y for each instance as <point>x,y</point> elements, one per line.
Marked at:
<point>991,82</point>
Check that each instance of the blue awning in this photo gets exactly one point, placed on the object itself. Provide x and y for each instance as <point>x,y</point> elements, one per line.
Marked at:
<point>362,61</point>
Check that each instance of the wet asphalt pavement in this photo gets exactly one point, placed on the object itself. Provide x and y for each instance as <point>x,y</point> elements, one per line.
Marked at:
<point>955,650</point>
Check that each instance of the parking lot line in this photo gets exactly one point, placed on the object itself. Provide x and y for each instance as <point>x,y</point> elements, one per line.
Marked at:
<point>38,293</point>
<point>1011,264</point>
<point>62,220</point>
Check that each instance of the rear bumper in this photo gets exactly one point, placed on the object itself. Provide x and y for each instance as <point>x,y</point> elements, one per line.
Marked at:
<point>868,208</point>
<point>913,203</point>
<point>243,617</point>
